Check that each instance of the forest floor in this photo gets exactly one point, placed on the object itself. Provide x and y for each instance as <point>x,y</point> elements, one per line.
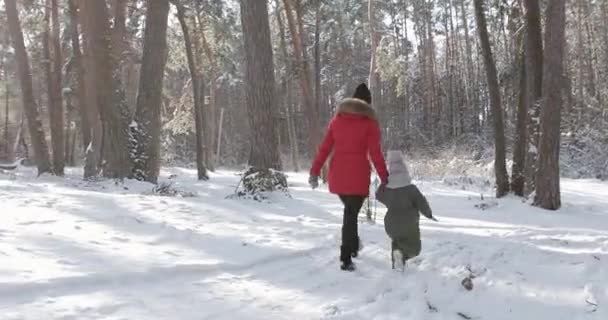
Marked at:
<point>71,249</point>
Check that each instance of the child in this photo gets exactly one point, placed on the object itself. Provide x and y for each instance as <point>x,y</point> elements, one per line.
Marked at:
<point>405,203</point>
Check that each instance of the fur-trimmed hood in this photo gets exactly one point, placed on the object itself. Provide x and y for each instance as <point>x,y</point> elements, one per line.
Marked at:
<point>356,107</point>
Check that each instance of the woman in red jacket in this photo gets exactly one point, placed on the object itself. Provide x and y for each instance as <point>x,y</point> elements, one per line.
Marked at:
<point>353,137</point>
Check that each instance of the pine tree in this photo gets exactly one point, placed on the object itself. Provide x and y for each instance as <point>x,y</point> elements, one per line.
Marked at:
<point>146,129</point>
<point>500,166</point>
<point>547,181</point>
<point>37,136</point>
<point>260,86</point>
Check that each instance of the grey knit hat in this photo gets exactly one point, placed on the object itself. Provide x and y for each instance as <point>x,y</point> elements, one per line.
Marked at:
<point>399,175</point>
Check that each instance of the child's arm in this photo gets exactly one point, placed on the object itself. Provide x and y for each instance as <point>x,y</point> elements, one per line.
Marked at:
<point>422,204</point>
<point>381,195</point>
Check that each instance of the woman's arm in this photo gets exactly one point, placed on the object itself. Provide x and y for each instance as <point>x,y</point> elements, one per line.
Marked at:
<point>324,150</point>
<point>375,152</point>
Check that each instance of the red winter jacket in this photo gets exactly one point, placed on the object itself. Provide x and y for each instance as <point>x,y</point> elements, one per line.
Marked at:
<point>354,137</point>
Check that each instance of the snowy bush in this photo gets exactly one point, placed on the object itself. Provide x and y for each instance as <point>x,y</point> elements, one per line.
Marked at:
<point>584,153</point>
<point>256,184</point>
<point>166,189</point>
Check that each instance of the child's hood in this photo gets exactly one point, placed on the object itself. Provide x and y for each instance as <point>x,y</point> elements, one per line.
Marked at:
<point>399,175</point>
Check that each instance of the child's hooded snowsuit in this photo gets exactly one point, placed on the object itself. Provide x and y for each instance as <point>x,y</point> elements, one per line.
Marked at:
<point>405,202</point>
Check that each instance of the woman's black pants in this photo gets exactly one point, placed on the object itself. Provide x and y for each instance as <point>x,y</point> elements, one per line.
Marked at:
<point>350,235</point>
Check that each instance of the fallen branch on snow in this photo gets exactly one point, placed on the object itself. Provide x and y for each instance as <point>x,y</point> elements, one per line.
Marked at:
<point>12,166</point>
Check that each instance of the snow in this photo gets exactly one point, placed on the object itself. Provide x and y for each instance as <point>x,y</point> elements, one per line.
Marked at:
<point>71,249</point>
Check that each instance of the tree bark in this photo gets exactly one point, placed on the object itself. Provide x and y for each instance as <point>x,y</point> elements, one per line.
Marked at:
<point>211,116</point>
<point>260,86</point>
<point>7,93</point>
<point>109,93</point>
<point>291,126</point>
<point>198,112</point>
<point>85,126</point>
<point>146,129</point>
<point>90,106</point>
<point>547,185</point>
<point>534,73</point>
<point>52,63</point>
<point>37,136</point>
<point>374,75</point>
<point>469,82</point>
<point>118,31</point>
<point>518,180</point>
<point>304,77</point>
<point>500,166</point>
<point>317,53</point>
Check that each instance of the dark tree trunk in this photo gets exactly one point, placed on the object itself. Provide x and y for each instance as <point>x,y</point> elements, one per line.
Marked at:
<point>534,74</point>
<point>500,166</point>
<point>291,126</point>
<point>518,180</point>
<point>57,117</point>
<point>85,126</point>
<point>304,77</point>
<point>260,86</point>
<point>109,94</point>
<point>470,72</point>
<point>146,131</point>
<point>547,180</point>
<point>374,76</point>
<point>196,79</point>
<point>90,106</point>
<point>37,136</point>
<point>317,52</point>
<point>52,66</point>
<point>211,124</point>
<point>7,93</point>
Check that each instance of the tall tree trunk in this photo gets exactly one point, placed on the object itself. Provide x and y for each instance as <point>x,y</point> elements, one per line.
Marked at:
<point>547,181</point>
<point>196,92</point>
<point>53,62</point>
<point>7,93</point>
<point>146,129</point>
<point>85,126</point>
<point>469,82</point>
<point>260,86</point>
<point>57,118</point>
<point>317,52</point>
<point>375,83</point>
<point>304,76</point>
<point>90,106</point>
<point>37,136</point>
<point>534,74</point>
<point>500,166</point>
<point>211,116</point>
<point>118,31</point>
<point>291,126</point>
<point>518,180</point>
<point>204,112</point>
<point>109,94</point>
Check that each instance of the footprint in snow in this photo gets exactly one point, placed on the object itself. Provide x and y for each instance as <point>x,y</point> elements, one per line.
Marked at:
<point>67,263</point>
<point>28,223</point>
<point>171,253</point>
<point>120,239</point>
<point>331,310</point>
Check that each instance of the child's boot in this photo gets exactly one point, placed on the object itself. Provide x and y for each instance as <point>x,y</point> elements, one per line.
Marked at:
<point>400,258</point>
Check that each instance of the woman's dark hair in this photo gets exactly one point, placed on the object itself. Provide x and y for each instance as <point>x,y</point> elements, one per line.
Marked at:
<point>363,93</point>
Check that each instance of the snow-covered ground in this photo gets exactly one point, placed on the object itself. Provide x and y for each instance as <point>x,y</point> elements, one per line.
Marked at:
<point>78,250</point>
